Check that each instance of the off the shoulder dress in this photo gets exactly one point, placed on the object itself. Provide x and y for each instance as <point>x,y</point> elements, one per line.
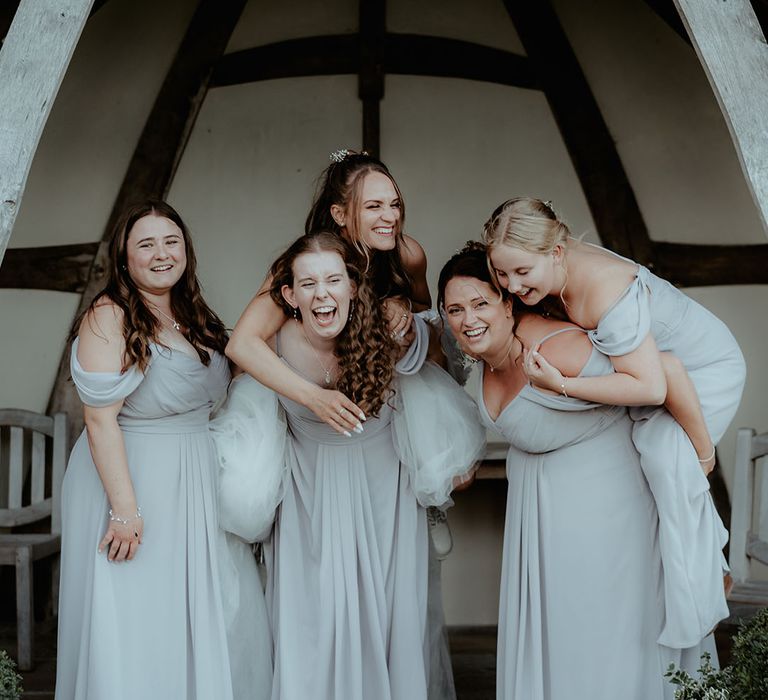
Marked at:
<point>152,628</point>
<point>691,534</point>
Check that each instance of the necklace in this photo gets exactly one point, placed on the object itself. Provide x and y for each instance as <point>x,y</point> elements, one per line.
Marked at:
<point>174,322</point>
<point>317,357</point>
<point>503,359</point>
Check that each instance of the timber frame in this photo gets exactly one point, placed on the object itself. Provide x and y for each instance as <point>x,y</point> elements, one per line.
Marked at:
<point>550,66</point>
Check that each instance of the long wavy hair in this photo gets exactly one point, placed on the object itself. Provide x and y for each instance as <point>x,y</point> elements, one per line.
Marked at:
<point>364,349</point>
<point>341,183</point>
<point>200,325</point>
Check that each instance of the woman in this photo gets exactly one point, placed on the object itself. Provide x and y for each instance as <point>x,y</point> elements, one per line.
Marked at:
<point>347,562</point>
<point>140,613</point>
<point>633,316</point>
<point>359,200</point>
<point>580,605</point>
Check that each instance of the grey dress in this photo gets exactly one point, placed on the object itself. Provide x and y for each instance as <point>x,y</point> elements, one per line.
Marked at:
<point>152,628</point>
<point>691,533</point>
<point>580,604</point>
<point>347,563</point>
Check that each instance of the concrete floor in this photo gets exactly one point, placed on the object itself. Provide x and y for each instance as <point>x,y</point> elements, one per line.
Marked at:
<point>473,653</point>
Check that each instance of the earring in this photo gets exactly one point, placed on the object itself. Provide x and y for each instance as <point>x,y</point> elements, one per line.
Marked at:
<point>351,309</point>
<point>296,312</point>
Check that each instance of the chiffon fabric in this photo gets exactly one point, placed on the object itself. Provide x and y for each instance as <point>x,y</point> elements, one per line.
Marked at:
<point>581,602</point>
<point>691,534</point>
<point>154,627</point>
<point>347,559</point>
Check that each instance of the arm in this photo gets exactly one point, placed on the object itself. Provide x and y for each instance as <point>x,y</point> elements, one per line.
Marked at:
<point>248,349</point>
<point>683,403</point>
<point>639,378</point>
<point>101,349</point>
<point>399,310</point>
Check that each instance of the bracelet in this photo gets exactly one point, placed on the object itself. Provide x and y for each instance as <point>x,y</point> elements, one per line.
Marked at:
<point>706,459</point>
<point>562,388</point>
<point>124,521</point>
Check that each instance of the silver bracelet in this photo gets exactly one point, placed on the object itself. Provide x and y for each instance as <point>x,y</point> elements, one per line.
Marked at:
<point>706,459</point>
<point>124,521</point>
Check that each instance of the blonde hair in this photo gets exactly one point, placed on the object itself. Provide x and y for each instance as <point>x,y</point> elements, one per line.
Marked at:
<point>526,223</point>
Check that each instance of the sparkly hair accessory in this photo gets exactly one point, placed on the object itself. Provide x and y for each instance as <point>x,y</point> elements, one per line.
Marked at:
<point>548,205</point>
<point>342,153</point>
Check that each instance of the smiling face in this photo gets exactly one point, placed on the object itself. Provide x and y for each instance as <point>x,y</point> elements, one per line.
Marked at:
<point>480,321</point>
<point>531,276</point>
<point>377,219</point>
<point>321,291</point>
<point>155,254</point>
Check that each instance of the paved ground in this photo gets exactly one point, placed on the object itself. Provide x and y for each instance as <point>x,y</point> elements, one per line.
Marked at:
<point>473,651</point>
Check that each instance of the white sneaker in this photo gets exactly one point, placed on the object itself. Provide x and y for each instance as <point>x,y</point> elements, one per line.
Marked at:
<point>440,532</point>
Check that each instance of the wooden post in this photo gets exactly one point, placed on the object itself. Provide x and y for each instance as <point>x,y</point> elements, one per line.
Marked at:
<point>732,49</point>
<point>33,61</point>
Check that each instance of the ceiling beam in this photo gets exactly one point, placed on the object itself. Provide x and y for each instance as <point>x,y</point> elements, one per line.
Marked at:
<point>402,54</point>
<point>370,76</point>
<point>61,268</point>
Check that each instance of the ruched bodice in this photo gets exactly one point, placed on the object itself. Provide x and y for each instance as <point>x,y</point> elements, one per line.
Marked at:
<point>175,395</point>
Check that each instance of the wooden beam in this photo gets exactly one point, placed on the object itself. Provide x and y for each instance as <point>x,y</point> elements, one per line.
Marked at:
<point>7,11</point>
<point>731,47</point>
<point>62,268</point>
<point>159,150</point>
<point>710,265</point>
<point>33,60</point>
<point>370,78</point>
<point>606,187</point>
<point>403,54</point>
<point>760,8</point>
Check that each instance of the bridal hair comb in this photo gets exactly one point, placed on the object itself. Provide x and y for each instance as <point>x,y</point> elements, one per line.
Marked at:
<point>342,153</point>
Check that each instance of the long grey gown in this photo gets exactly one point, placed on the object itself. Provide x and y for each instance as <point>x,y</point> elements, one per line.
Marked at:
<point>580,604</point>
<point>691,534</point>
<point>152,628</point>
<point>347,563</point>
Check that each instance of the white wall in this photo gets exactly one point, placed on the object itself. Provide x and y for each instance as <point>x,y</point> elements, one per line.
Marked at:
<point>457,149</point>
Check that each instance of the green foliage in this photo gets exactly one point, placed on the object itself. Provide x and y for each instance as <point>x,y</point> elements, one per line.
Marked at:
<point>749,659</point>
<point>712,684</point>
<point>10,681</point>
<point>745,679</point>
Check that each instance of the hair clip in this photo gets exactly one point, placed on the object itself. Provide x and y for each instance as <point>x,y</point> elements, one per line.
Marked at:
<point>338,156</point>
<point>548,205</point>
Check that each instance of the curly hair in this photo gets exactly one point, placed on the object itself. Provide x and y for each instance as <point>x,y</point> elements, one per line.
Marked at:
<point>364,349</point>
<point>341,183</point>
<point>201,326</point>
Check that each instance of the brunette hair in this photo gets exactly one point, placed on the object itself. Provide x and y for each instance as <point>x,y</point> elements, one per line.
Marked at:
<point>470,261</point>
<point>341,184</point>
<point>527,223</point>
<point>201,326</point>
<point>364,349</point>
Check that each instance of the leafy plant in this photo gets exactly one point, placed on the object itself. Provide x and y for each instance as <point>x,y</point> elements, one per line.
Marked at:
<point>10,681</point>
<point>749,660</point>
<point>712,684</point>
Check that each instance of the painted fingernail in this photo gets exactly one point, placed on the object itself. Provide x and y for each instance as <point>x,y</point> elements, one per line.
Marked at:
<point>347,433</point>
<point>358,428</point>
<point>402,334</point>
<point>362,416</point>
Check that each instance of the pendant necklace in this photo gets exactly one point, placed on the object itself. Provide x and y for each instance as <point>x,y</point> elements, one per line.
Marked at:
<point>506,355</point>
<point>319,361</point>
<point>174,322</point>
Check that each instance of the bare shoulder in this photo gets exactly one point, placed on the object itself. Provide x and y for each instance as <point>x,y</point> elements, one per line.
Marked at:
<point>605,277</point>
<point>413,255</point>
<point>101,343</point>
<point>568,350</point>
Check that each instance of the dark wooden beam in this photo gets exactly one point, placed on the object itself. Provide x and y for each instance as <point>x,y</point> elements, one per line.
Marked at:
<point>62,268</point>
<point>591,147</point>
<point>761,12</point>
<point>667,11</point>
<point>709,265</point>
<point>7,11</point>
<point>159,150</point>
<point>403,54</point>
<point>370,77</point>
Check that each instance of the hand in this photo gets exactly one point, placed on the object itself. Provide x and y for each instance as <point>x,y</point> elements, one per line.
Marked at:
<point>708,462</point>
<point>398,315</point>
<point>336,410</point>
<point>464,482</point>
<point>540,373</point>
<point>123,539</point>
